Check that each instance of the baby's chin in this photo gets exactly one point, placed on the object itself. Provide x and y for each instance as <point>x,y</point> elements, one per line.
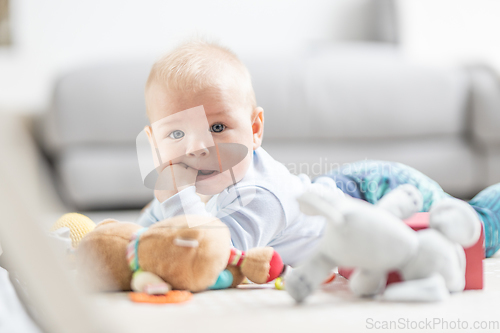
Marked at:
<point>214,184</point>
<point>219,182</point>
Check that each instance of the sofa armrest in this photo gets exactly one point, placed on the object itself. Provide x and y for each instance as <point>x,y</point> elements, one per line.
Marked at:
<point>485,105</point>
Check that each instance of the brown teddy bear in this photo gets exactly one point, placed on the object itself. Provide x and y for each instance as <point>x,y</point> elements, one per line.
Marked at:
<point>121,256</point>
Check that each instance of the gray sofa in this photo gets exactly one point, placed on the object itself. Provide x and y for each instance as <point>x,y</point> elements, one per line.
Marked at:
<point>366,101</point>
<point>330,105</point>
<point>327,105</point>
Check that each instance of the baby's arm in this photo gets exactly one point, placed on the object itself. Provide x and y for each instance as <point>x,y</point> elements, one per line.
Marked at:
<point>185,202</point>
<point>175,190</point>
<point>253,215</point>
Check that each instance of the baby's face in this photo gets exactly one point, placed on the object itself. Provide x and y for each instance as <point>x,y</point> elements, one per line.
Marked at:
<point>187,128</point>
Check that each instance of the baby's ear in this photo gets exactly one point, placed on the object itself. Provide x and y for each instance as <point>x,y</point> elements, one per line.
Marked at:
<point>149,133</point>
<point>257,126</point>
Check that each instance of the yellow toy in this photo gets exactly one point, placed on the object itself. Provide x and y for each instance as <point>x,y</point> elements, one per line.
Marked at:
<point>78,224</point>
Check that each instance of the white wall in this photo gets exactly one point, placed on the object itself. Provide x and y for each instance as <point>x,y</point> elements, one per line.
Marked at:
<point>451,32</point>
<point>53,35</point>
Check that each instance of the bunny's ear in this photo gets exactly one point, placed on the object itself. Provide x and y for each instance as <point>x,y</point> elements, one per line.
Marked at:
<point>456,220</point>
<point>312,204</point>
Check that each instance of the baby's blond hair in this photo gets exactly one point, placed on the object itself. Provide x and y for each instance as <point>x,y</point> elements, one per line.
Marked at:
<point>199,64</point>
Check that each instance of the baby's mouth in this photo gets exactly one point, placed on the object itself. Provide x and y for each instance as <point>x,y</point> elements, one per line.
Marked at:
<point>203,174</point>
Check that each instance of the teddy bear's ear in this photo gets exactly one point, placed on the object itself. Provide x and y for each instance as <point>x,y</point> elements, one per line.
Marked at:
<point>106,221</point>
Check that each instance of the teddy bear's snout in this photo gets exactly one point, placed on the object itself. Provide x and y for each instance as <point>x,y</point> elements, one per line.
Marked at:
<point>186,242</point>
<point>187,238</point>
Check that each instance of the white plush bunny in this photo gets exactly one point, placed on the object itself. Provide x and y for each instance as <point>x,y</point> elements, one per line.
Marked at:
<point>375,240</point>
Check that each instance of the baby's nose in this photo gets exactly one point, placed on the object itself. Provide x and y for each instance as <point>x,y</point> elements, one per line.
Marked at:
<point>199,153</point>
<point>197,145</point>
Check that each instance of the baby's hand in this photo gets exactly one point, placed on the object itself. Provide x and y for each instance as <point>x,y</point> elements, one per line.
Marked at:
<point>174,178</point>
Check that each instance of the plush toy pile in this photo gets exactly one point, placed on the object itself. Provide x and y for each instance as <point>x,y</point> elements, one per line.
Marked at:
<point>374,240</point>
<point>121,256</point>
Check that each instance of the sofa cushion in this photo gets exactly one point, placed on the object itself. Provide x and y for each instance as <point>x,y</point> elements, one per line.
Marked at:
<point>103,176</point>
<point>370,91</point>
<point>100,104</point>
<point>485,101</point>
<point>448,160</point>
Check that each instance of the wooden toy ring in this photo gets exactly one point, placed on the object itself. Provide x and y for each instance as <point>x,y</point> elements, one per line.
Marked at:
<point>173,296</point>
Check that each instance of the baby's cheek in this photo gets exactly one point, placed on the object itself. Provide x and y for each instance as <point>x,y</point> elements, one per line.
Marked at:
<point>240,169</point>
<point>171,153</point>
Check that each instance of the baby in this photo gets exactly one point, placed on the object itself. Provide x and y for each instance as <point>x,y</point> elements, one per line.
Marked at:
<point>203,114</point>
<point>205,135</point>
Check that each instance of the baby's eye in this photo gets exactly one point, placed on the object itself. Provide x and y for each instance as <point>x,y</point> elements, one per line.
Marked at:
<point>177,134</point>
<point>217,128</point>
